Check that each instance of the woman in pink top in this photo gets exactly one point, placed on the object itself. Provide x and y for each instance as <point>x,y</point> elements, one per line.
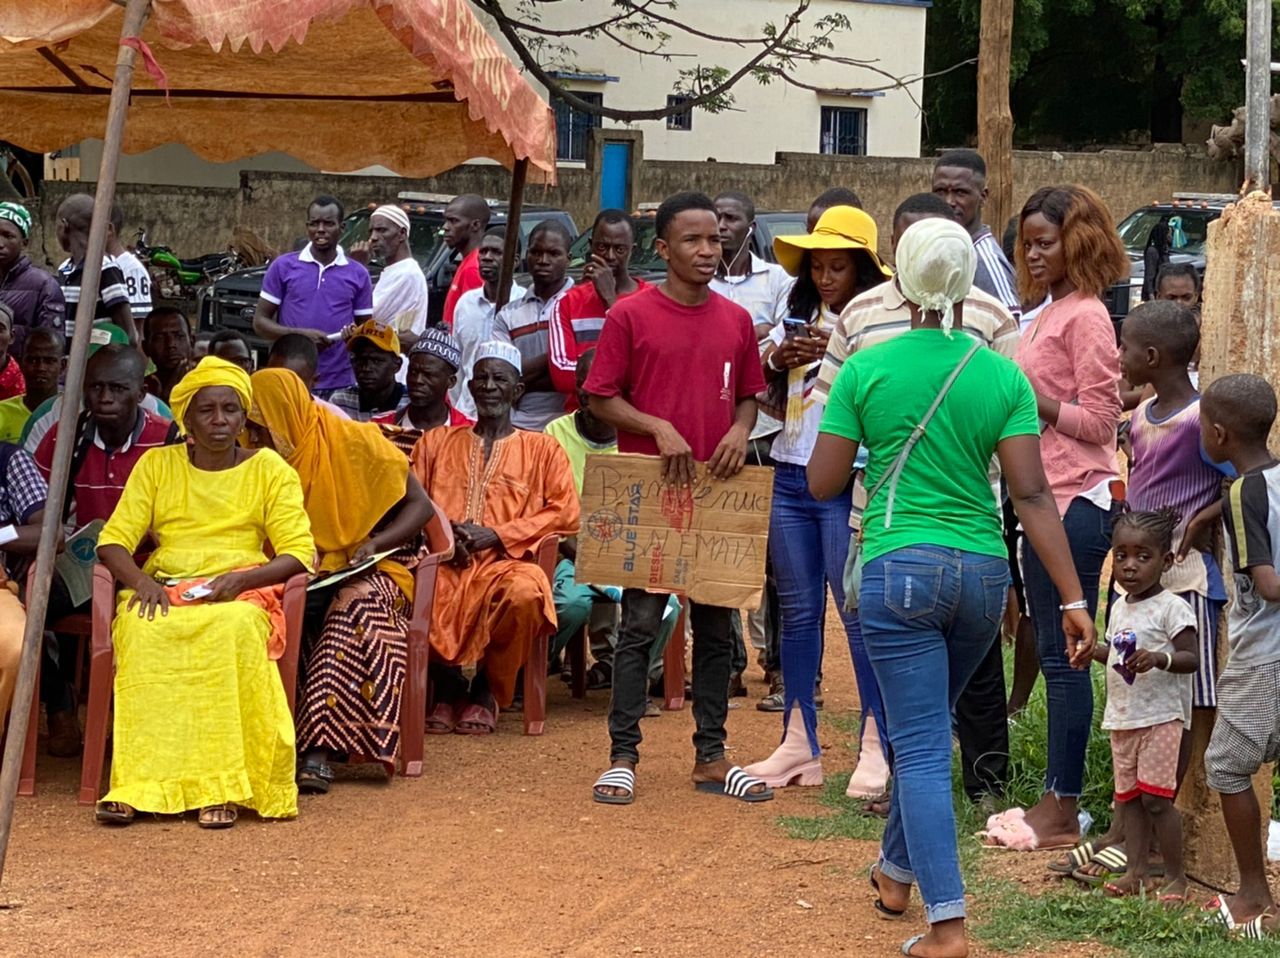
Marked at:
<point>1067,247</point>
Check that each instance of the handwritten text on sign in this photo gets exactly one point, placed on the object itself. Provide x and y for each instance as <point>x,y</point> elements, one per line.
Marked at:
<point>707,542</point>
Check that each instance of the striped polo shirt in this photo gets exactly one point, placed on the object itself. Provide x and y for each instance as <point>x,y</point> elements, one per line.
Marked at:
<point>99,482</point>
<point>111,291</point>
<point>526,324</point>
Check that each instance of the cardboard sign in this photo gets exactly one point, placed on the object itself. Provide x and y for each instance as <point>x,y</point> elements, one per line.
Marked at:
<point>707,542</point>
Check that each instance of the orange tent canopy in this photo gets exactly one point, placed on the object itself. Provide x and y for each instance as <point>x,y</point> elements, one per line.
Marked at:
<point>418,86</point>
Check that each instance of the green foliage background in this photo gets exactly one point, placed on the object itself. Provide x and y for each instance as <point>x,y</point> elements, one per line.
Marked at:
<point>1090,71</point>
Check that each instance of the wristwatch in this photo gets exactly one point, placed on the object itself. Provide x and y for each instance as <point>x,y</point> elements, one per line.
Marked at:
<point>1070,606</point>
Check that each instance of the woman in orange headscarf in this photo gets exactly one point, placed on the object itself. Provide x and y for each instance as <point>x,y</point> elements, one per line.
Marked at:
<point>362,501</point>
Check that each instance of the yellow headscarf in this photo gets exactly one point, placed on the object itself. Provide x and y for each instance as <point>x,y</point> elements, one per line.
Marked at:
<point>210,371</point>
<point>351,475</point>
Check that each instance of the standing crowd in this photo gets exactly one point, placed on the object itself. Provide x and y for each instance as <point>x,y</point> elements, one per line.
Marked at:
<point>943,440</point>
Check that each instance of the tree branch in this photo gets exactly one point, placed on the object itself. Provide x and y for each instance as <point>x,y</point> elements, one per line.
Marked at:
<point>508,30</point>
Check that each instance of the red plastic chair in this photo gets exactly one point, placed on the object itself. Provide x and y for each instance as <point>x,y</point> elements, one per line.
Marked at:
<point>673,664</point>
<point>102,670</point>
<point>80,625</point>
<point>535,667</point>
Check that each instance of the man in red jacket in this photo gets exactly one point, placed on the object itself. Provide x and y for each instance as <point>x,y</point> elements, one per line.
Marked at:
<point>579,316</point>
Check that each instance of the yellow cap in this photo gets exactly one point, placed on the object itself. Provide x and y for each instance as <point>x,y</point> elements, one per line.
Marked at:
<point>380,334</point>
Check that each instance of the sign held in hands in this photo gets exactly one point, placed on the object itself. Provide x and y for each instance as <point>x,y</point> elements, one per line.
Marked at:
<point>707,541</point>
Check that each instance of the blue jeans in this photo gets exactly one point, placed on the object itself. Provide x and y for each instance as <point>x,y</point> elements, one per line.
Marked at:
<point>1069,691</point>
<point>929,617</point>
<point>808,543</point>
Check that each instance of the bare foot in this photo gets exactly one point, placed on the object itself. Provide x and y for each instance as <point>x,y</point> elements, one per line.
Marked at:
<point>894,895</point>
<point>1173,894</point>
<point>945,940</point>
<point>1053,819</point>
<point>717,771</point>
<point>612,790</point>
<point>1245,910</point>
<point>1127,886</point>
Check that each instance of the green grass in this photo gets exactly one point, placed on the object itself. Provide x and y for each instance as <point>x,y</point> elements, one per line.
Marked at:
<point>1006,917</point>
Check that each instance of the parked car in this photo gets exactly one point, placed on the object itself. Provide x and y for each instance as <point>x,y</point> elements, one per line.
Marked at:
<point>230,302</point>
<point>649,266</point>
<point>1191,213</point>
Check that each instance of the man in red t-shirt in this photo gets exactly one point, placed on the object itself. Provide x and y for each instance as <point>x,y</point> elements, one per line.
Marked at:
<point>677,372</point>
<point>465,220</point>
<point>579,314</point>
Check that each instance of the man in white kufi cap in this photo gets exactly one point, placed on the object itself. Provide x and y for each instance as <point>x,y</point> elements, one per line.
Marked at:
<point>400,294</point>
<point>504,490</point>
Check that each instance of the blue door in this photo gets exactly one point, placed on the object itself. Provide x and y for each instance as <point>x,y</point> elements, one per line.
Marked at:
<point>613,177</point>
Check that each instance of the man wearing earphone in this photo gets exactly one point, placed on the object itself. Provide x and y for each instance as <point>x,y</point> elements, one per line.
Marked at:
<point>762,289</point>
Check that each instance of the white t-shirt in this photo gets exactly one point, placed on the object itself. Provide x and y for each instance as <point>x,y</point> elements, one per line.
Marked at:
<point>137,283</point>
<point>763,293</point>
<point>473,321</point>
<point>400,301</point>
<point>797,449</point>
<point>1157,696</point>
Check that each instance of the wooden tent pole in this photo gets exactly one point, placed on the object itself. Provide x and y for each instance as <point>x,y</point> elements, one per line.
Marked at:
<point>518,175</point>
<point>995,119</point>
<point>1257,124</point>
<point>135,16</point>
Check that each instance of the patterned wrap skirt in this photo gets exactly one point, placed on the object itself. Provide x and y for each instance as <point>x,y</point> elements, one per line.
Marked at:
<point>354,673</point>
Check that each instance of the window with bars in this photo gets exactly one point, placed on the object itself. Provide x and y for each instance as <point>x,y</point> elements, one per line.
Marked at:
<point>573,126</point>
<point>844,131</point>
<point>682,120</point>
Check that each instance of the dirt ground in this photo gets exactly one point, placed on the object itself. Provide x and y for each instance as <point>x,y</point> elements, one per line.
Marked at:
<point>496,850</point>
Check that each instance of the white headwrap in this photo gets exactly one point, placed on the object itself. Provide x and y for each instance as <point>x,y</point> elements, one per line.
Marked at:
<point>936,263</point>
<point>395,214</point>
<point>497,350</point>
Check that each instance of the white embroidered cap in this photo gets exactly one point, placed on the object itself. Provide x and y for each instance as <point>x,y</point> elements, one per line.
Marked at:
<point>496,350</point>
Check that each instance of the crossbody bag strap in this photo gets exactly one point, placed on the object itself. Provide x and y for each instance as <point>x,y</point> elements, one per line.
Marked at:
<point>895,471</point>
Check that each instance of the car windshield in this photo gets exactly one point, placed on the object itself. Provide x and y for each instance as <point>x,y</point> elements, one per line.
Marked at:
<point>1189,229</point>
<point>772,225</point>
<point>645,259</point>
<point>425,233</point>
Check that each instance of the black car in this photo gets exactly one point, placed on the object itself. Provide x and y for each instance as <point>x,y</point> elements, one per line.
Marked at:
<point>1188,215</point>
<point>230,302</point>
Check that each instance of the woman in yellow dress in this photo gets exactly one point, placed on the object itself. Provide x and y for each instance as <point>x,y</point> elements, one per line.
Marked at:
<point>363,501</point>
<point>201,719</point>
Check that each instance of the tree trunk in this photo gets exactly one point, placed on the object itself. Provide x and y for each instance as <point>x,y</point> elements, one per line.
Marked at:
<point>1239,335</point>
<point>995,119</point>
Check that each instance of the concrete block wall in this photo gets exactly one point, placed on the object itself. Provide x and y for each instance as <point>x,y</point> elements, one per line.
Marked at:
<point>195,220</point>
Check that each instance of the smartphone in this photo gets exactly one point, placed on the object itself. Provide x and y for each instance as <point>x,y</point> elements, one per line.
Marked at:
<point>196,592</point>
<point>794,326</point>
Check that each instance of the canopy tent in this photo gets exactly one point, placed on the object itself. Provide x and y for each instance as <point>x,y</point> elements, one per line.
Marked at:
<point>431,91</point>
<point>432,87</point>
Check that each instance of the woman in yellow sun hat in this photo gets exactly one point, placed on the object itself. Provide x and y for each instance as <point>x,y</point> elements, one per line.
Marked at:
<point>808,539</point>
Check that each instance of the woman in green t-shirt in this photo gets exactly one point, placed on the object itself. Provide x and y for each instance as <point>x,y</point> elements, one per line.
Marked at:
<point>934,567</point>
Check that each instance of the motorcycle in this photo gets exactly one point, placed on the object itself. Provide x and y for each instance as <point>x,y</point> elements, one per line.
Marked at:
<point>166,267</point>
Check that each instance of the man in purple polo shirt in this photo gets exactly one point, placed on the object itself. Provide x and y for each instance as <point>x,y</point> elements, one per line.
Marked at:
<point>318,293</point>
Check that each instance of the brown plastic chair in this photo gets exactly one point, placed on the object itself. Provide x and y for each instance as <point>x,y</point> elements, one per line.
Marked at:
<point>102,670</point>
<point>413,700</point>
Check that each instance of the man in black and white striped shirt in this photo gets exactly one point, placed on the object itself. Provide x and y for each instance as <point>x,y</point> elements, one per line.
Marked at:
<point>113,297</point>
<point>960,178</point>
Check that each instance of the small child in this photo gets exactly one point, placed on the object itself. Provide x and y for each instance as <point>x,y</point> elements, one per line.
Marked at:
<point>1151,636</point>
<point>1236,416</point>
<point>1171,469</point>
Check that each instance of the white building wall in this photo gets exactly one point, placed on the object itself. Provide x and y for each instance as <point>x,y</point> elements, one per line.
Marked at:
<point>768,119</point>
